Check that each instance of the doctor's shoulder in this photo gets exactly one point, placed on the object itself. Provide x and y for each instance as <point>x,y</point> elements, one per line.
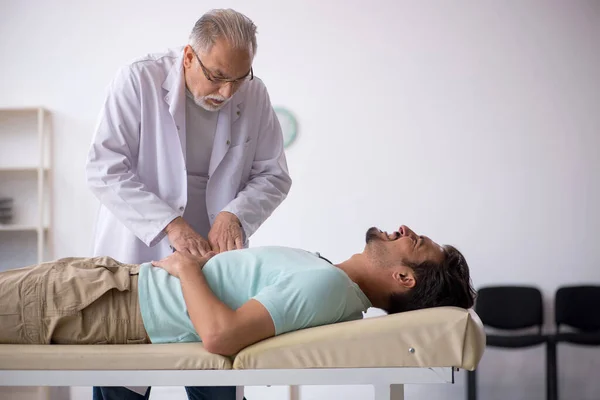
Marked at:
<point>255,89</point>
<point>155,66</point>
<point>168,57</point>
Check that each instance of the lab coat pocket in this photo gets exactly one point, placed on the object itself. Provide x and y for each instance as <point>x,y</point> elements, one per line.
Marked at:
<point>239,162</point>
<point>235,146</point>
<point>237,154</point>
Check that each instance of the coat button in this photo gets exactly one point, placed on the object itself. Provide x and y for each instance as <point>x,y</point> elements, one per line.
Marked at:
<point>228,142</point>
<point>212,216</point>
<point>180,208</point>
<point>177,127</point>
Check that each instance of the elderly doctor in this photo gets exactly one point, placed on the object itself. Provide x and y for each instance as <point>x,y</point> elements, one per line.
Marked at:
<point>188,152</point>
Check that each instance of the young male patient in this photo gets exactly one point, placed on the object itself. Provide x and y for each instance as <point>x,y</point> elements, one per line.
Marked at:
<point>230,300</point>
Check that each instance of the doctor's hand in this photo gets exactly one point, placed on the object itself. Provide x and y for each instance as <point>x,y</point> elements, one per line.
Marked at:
<point>185,239</point>
<point>177,261</point>
<point>226,233</point>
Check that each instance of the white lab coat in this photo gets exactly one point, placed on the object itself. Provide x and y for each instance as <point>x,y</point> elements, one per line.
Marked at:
<point>136,165</point>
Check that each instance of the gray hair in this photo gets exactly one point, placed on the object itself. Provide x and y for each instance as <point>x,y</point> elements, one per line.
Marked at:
<point>237,29</point>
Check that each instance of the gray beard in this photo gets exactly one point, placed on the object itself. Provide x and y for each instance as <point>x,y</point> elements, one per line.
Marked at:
<point>202,103</point>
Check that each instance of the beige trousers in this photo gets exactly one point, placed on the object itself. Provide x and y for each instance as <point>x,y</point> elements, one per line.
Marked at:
<point>71,301</point>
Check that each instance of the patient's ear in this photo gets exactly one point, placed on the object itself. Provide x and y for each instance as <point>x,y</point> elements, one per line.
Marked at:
<point>404,276</point>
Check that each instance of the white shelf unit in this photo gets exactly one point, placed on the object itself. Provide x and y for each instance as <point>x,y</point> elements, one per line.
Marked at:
<point>25,176</point>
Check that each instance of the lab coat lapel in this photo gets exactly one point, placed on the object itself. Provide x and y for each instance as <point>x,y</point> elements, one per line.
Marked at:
<point>227,117</point>
<point>175,98</point>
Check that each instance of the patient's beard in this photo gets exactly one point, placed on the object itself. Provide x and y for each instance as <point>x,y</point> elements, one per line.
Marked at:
<point>375,250</point>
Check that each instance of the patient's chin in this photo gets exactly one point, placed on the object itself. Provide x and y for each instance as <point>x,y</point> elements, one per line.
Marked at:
<point>372,234</point>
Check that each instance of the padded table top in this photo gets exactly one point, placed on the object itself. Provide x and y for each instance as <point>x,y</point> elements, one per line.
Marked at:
<point>436,337</point>
<point>110,357</point>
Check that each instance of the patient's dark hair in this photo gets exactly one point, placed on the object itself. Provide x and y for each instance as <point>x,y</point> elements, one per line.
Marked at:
<point>437,284</point>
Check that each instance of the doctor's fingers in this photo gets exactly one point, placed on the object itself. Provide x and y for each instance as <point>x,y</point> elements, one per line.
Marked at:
<point>230,243</point>
<point>200,250</point>
<point>226,243</point>
<point>192,249</point>
<point>199,247</point>
<point>238,242</point>
<point>214,245</point>
<point>220,246</point>
<point>205,249</point>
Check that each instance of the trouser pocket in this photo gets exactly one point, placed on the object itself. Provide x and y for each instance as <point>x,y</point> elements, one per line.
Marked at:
<point>91,301</point>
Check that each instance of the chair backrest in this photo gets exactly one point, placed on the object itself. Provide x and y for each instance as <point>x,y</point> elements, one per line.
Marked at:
<point>578,307</point>
<point>510,307</point>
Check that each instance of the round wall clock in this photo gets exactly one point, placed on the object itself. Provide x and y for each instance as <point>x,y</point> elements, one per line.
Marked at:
<point>288,124</point>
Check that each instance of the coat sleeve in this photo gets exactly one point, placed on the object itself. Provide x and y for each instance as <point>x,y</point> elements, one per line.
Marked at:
<point>112,162</point>
<point>269,181</point>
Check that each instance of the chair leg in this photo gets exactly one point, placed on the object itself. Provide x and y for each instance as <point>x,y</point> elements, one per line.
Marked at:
<point>471,385</point>
<point>389,392</point>
<point>551,371</point>
<point>239,393</point>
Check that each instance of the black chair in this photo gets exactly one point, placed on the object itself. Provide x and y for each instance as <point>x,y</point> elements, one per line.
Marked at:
<point>510,309</point>
<point>575,307</point>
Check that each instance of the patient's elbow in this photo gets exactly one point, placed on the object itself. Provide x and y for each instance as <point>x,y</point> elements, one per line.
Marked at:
<point>218,344</point>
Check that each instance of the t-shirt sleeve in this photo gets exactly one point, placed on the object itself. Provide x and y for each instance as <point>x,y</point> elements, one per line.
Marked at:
<point>305,300</point>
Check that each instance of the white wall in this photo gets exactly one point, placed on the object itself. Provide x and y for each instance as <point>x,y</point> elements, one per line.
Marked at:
<point>475,123</point>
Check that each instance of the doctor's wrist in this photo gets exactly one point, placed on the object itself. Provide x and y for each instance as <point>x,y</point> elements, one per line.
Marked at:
<point>229,216</point>
<point>175,224</point>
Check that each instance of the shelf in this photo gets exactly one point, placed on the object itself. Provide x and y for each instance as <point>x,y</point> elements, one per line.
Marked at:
<point>21,169</point>
<point>19,228</point>
<point>21,109</point>
<point>26,177</point>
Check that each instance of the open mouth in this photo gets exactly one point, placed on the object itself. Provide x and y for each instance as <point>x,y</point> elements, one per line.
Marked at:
<point>391,237</point>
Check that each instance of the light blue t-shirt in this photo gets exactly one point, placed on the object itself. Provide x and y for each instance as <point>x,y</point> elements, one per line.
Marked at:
<point>298,289</point>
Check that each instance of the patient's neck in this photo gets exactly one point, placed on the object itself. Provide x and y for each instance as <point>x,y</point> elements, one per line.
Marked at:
<point>359,270</point>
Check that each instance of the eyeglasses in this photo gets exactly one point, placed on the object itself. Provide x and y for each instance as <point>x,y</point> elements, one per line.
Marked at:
<point>216,81</point>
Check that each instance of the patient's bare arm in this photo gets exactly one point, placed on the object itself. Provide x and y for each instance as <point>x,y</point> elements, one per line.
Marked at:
<point>222,330</point>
